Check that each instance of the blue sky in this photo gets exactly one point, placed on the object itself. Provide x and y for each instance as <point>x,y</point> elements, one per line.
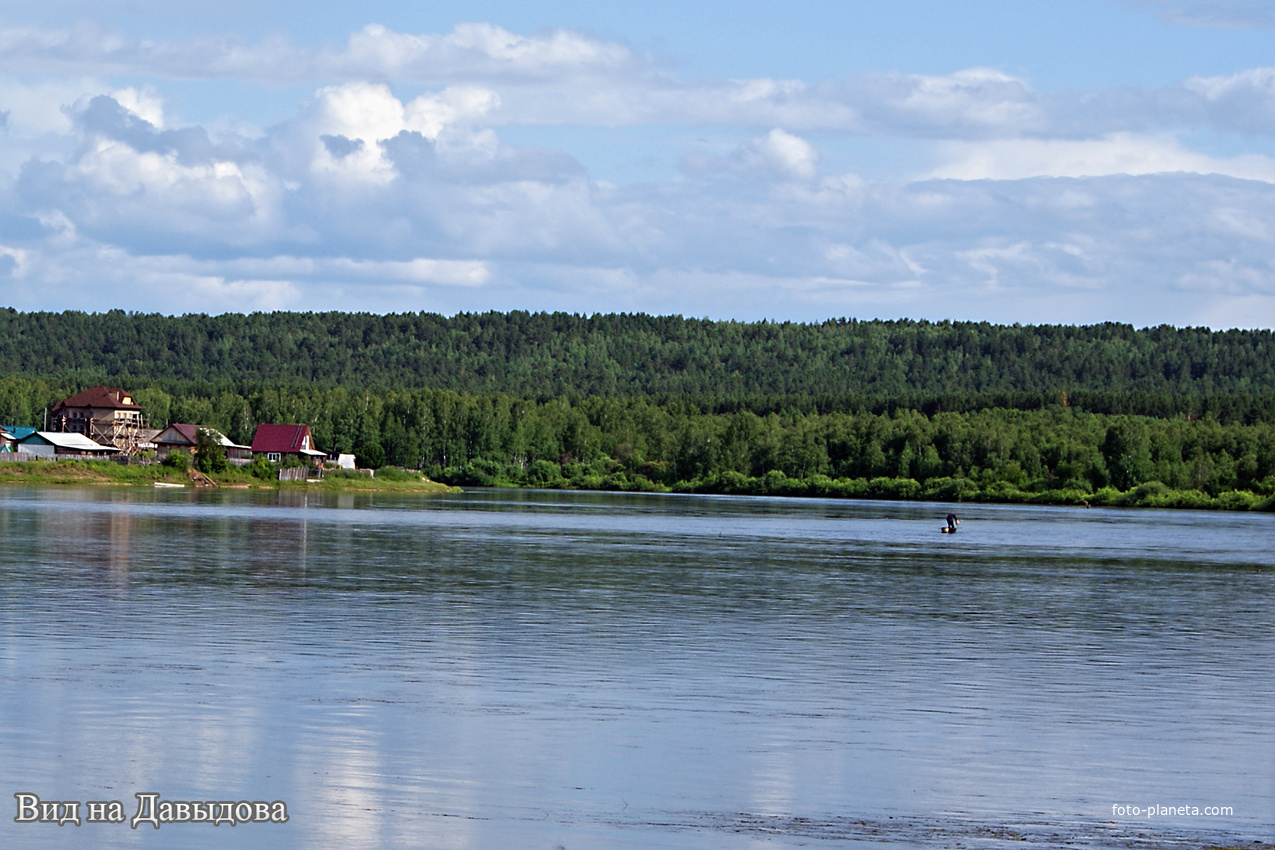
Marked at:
<point>1034,162</point>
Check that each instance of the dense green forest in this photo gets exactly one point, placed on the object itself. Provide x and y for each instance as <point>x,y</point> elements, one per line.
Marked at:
<point>547,355</point>
<point>1104,414</point>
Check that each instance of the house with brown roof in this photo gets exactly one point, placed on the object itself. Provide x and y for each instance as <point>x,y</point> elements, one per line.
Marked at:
<point>186,437</point>
<point>278,442</point>
<point>106,415</point>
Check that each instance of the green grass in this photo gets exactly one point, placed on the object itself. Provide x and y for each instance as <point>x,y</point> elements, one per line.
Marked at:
<point>386,479</point>
<point>107,472</point>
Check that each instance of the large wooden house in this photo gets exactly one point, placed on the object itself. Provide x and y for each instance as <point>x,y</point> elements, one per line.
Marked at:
<point>106,415</point>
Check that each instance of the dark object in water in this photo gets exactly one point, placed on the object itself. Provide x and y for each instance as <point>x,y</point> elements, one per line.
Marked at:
<point>947,529</point>
<point>952,523</point>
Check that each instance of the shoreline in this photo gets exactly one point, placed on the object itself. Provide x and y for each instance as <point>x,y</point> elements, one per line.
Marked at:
<point>81,472</point>
<point>1147,495</point>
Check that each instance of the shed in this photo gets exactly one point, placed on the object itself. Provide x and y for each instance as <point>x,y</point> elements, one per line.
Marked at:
<point>52,444</point>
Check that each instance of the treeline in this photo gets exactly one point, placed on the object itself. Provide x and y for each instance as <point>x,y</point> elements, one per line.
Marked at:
<point>1055,453</point>
<point>834,365</point>
<point>1104,413</point>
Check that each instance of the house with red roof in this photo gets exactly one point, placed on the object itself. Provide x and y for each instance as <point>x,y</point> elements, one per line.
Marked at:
<point>106,415</point>
<point>278,442</point>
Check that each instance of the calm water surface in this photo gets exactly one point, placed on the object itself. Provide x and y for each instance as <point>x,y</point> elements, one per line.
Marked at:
<point>542,670</point>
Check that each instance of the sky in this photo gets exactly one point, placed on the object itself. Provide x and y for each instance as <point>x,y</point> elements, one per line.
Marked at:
<point>1030,161</point>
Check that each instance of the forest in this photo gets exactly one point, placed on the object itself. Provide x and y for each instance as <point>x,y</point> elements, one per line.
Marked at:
<point>1100,414</point>
<point>548,355</point>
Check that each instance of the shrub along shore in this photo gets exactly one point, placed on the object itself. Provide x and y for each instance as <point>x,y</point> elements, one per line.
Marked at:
<point>1053,455</point>
<point>1152,494</point>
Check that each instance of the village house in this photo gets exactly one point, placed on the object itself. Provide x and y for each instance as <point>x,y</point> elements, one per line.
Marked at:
<point>185,437</point>
<point>279,442</point>
<point>107,415</point>
<point>55,444</point>
<point>11,434</point>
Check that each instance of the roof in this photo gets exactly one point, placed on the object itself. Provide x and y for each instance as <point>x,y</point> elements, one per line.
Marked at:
<point>18,431</point>
<point>179,433</point>
<point>184,434</point>
<point>109,397</point>
<point>67,440</point>
<point>285,439</point>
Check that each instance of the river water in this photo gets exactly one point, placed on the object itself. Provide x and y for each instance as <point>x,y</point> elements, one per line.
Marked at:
<point>546,670</point>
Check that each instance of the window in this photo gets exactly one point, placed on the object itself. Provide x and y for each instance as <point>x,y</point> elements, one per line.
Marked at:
<point>274,457</point>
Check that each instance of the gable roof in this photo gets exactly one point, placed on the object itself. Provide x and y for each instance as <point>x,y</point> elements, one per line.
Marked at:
<point>184,434</point>
<point>17,431</point>
<point>109,397</point>
<point>285,439</point>
<point>178,432</point>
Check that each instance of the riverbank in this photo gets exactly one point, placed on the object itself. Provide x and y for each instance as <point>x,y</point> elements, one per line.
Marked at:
<point>108,472</point>
<point>1152,494</point>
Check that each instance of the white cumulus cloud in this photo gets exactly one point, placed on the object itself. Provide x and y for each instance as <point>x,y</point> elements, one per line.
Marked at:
<point>145,103</point>
<point>778,154</point>
<point>343,128</point>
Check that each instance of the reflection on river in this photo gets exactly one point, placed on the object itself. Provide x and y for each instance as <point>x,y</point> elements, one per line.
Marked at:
<point>540,670</point>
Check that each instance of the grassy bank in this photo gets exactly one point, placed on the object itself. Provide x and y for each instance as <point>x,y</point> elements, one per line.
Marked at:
<point>388,478</point>
<point>107,472</point>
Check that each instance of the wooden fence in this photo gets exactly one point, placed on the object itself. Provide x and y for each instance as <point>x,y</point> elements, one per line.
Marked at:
<point>23,457</point>
<point>299,473</point>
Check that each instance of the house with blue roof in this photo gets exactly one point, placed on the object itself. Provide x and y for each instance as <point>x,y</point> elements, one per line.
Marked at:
<point>11,434</point>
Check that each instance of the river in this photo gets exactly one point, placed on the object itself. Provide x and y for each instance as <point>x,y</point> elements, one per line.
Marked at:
<point>522,669</point>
